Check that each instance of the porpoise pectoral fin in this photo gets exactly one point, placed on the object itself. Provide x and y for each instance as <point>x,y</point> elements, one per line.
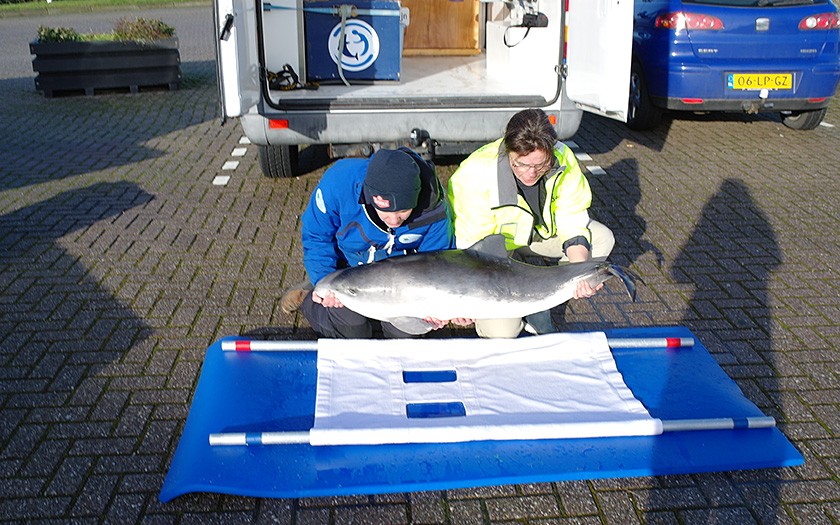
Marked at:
<point>411,325</point>
<point>491,247</point>
<point>627,277</point>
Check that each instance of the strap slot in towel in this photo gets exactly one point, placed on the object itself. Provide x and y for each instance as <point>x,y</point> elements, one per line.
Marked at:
<point>430,410</point>
<point>429,376</point>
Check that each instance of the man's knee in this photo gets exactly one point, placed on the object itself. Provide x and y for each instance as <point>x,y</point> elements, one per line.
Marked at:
<point>336,323</point>
<point>603,240</point>
<point>498,328</point>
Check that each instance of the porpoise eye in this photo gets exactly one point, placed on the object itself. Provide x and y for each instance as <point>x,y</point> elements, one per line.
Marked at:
<point>352,292</point>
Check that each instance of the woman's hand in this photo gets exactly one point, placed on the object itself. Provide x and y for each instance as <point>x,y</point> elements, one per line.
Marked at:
<point>580,253</point>
<point>585,290</point>
<point>437,324</point>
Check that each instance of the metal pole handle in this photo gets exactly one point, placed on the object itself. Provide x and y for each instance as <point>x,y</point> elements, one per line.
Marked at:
<point>312,346</point>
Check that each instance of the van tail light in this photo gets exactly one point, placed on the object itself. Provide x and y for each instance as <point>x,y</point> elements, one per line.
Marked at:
<point>820,22</point>
<point>680,20</point>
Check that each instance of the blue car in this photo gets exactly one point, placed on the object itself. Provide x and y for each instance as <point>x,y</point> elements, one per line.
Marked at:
<point>747,56</point>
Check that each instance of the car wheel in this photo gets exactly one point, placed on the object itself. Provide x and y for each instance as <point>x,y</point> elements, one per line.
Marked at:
<point>641,113</point>
<point>804,120</point>
<point>279,161</point>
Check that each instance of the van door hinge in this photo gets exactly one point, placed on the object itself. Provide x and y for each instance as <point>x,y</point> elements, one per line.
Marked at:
<point>562,70</point>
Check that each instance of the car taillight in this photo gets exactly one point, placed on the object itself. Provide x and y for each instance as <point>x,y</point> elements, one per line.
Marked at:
<point>681,20</point>
<point>821,21</point>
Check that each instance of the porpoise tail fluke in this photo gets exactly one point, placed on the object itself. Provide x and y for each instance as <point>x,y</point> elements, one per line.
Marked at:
<point>627,277</point>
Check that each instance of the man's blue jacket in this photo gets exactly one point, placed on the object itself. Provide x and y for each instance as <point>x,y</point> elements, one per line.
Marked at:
<point>338,229</point>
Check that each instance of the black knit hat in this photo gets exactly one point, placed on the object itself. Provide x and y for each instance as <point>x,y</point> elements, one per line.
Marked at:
<point>392,182</point>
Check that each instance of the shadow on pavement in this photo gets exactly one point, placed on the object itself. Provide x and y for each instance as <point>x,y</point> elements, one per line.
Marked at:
<point>604,134</point>
<point>56,138</point>
<point>58,324</point>
<point>728,260</point>
<point>614,203</point>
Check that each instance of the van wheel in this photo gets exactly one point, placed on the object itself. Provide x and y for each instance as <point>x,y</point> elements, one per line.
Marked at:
<point>804,120</point>
<point>279,161</point>
<point>641,113</point>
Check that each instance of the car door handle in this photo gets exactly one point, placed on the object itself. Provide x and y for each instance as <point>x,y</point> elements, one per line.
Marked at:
<point>226,29</point>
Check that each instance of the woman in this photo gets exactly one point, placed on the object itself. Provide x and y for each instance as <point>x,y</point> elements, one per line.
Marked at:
<point>527,186</point>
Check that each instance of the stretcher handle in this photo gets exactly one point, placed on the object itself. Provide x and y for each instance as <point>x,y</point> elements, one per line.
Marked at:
<point>720,423</point>
<point>259,438</point>
<point>673,425</point>
<point>312,346</point>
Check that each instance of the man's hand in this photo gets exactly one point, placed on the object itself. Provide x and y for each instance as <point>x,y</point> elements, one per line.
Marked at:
<point>330,301</point>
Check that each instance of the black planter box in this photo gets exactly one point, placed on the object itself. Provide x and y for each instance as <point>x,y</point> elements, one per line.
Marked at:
<point>88,66</point>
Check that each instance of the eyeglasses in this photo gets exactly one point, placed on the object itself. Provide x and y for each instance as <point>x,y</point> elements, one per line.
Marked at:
<point>538,168</point>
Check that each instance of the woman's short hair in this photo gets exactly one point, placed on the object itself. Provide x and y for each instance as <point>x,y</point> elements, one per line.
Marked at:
<point>529,130</point>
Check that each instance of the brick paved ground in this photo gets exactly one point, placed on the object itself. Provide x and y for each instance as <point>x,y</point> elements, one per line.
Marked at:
<point>120,262</point>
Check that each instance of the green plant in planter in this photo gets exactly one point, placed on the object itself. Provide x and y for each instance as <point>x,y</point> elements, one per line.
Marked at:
<point>142,30</point>
<point>58,34</point>
<point>125,30</point>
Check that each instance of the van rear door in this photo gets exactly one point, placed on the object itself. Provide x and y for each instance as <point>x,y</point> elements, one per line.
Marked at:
<point>600,40</point>
<point>236,56</point>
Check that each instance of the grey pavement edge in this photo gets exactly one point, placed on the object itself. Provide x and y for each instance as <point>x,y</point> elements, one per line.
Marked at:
<point>121,262</point>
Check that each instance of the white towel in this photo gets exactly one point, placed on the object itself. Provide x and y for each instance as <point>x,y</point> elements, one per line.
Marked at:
<point>546,387</point>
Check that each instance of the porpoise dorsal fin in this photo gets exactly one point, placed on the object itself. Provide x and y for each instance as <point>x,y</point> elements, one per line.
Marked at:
<point>491,248</point>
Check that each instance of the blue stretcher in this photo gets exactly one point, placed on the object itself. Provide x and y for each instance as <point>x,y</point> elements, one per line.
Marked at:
<point>275,392</point>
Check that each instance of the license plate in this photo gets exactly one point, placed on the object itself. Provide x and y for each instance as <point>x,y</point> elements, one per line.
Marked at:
<point>759,81</point>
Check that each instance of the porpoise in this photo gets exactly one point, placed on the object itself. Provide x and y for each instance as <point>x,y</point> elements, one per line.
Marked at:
<point>480,282</point>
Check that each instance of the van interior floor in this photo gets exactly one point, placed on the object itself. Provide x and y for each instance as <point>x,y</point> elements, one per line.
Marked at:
<point>425,78</point>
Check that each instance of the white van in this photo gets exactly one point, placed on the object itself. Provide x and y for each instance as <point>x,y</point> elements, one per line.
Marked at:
<point>441,76</point>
